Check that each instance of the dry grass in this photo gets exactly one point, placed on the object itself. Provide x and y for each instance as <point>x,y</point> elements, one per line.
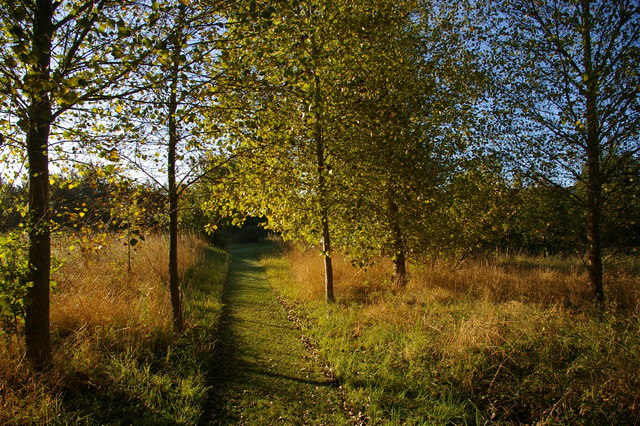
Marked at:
<point>100,307</point>
<point>353,284</point>
<point>23,398</point>
<point>546,281</point>
<point>542,280</point>
<point>96,288</point>
<point>508,339</point>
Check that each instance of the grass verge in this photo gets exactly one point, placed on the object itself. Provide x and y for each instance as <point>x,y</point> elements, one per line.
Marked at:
<point>449,351</point>
<point>116,359</point>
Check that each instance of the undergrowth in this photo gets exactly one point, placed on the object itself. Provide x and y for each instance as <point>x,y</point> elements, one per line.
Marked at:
<point>501,341</point>
<point>116,359</point>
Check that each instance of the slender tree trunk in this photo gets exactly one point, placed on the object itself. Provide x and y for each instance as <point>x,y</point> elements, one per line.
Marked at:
<point>174,279</point>
<point>326,235</point>
<point>594,174</point>
<point>594,254</point>
<point>322,189</point>
<point>399,257</point>
<point>36,330</point>
<point>328,267</point>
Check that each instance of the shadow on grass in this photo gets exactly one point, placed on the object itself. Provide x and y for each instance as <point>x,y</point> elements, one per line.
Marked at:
<point>259,373</point>
<point>161,380</point>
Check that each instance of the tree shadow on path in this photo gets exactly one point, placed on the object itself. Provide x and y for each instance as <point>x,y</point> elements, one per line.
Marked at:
<point>262,373</point>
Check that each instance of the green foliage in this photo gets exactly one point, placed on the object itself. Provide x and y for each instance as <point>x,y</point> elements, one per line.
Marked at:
<point>544,221</point>
<point>410,125</point>
<point>283,108</point>
<point>12,199</point>
<point>88,202</point>
<point>78,76</point>
<point>356,122</point>
<point>621,222</point>
<point>467,214</point>
<point>14,268</point>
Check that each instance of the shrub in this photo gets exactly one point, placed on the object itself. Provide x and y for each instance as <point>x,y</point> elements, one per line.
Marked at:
<point>14,266</point>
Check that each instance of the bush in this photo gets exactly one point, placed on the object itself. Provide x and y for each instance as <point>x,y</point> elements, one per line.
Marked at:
<point>14,266</point>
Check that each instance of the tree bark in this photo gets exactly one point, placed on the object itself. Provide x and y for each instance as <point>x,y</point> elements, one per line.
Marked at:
<point>594,175</point>
<point>326,234</point>
<point>174,279</point>
<point>318,135</point>
<point>399,256</point>
<point>328,267</point>
<point>37,327</point>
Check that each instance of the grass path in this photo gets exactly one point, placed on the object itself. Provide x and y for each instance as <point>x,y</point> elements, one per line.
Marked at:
<point>263,373</point>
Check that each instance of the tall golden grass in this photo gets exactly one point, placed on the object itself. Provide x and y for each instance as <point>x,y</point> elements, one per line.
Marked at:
<point>352,284</point>
<point>97,285</point>
<point>478,302</point>
<point>109,296</point>
<point>545,281</point>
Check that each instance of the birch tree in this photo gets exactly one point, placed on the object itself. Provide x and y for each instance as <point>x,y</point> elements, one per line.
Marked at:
<point>570,83</point>
<point>286,98</point>
<point>171,114</point>
<point>56,56</point>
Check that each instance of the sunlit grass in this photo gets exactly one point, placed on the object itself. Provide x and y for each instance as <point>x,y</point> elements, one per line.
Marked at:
<point>500,339</point>
<point>497,278</point>
<point>115,354</point>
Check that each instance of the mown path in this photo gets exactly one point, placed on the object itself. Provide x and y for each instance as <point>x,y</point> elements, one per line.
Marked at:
<point>263,374</point>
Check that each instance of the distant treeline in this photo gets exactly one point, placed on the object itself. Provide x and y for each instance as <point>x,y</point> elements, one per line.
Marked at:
<point>92,202</point>
<point>532,218</point>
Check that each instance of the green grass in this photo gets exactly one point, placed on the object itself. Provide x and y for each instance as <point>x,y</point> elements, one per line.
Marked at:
<point>265,374</point>
<point>407,359</point>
